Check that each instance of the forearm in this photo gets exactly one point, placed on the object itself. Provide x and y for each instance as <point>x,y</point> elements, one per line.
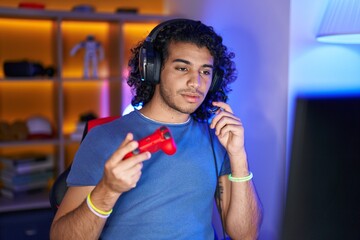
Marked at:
<point>78,224</point>
<point>81,222</point>
<point>243,215</point>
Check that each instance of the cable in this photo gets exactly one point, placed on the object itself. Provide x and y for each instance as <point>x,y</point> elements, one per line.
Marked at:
<point>217,190</point>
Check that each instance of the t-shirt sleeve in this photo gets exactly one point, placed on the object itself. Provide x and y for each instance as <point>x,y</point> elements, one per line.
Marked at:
<point>88,165</point>
<point>225,167</point>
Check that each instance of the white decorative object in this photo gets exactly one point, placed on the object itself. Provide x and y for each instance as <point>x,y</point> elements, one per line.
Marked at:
<point>94,53</point>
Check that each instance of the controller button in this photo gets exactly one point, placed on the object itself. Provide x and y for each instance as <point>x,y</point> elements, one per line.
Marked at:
<point>136,151</point>
<point>167,135</point>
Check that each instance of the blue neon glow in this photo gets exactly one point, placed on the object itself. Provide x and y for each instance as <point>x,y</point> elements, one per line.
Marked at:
<point>131,108</point>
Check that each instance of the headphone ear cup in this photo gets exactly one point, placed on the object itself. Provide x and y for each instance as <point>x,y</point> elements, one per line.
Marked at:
<point>142,63</point>
<point>213,83</point>
<point>216,82</point>
<point>156,69</point>
<point>149,63</point>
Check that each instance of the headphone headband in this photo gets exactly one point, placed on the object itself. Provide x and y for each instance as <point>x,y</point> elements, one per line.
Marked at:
<point>153,34</point>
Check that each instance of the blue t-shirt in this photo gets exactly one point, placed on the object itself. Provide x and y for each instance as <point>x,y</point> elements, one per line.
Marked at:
<point>174,196</point>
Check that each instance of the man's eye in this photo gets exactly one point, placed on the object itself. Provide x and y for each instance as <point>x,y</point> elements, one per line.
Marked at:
<point>182,69</point>
<point>206,72</point>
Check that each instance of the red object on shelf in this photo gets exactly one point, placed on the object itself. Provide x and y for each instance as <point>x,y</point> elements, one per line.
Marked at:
<point>31,5</point>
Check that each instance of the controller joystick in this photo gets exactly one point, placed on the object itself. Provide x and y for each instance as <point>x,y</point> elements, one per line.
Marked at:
<point>161,139</point>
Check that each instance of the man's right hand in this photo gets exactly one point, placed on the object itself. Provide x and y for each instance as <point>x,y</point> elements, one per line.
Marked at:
<point>122,175</point>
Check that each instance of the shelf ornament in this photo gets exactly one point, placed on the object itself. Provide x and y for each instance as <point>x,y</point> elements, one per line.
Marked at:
<point>94,52</point>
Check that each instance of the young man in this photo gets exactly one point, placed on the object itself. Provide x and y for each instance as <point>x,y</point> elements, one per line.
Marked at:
<point>178,73</point>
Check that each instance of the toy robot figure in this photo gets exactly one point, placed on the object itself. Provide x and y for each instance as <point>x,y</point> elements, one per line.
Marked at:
<point>93,52</point>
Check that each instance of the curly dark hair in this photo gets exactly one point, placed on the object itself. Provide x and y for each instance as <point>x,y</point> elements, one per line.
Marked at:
<point>188,31</point>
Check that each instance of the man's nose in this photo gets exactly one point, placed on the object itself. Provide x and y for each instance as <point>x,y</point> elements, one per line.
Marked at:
<point>195,80</point>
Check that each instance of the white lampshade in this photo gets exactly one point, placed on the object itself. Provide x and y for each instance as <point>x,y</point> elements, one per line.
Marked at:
<point>341,22</point>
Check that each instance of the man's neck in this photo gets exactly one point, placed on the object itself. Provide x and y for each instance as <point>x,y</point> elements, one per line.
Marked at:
<point>163,115</point>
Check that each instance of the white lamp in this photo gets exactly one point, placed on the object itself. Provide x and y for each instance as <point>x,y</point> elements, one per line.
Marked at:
<point>341,22</point>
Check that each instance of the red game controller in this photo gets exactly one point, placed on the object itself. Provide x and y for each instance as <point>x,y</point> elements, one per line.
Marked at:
<point>161,139</point>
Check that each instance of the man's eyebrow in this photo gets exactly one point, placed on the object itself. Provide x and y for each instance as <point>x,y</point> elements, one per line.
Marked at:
<point>189,63</point>
<point>182,61</point>
<point>208,66</point>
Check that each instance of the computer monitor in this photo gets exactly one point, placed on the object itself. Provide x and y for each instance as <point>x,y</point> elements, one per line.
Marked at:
<point>323,188</point>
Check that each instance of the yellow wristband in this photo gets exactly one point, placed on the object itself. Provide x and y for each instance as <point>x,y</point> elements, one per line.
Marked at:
<point>96,209</point>
<point>240,179</point>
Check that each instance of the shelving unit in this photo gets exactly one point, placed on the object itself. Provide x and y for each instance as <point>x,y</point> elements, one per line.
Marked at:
<point>47,37</point>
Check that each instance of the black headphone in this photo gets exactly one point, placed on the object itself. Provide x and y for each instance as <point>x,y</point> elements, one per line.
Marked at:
<point>150,59</point>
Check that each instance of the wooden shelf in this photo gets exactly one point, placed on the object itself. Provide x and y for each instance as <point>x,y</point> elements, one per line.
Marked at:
<point>29,201</point>
<point>27,79</point>
<point>29,143</point>
<point>80,16</point>
<point>65,96</point>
